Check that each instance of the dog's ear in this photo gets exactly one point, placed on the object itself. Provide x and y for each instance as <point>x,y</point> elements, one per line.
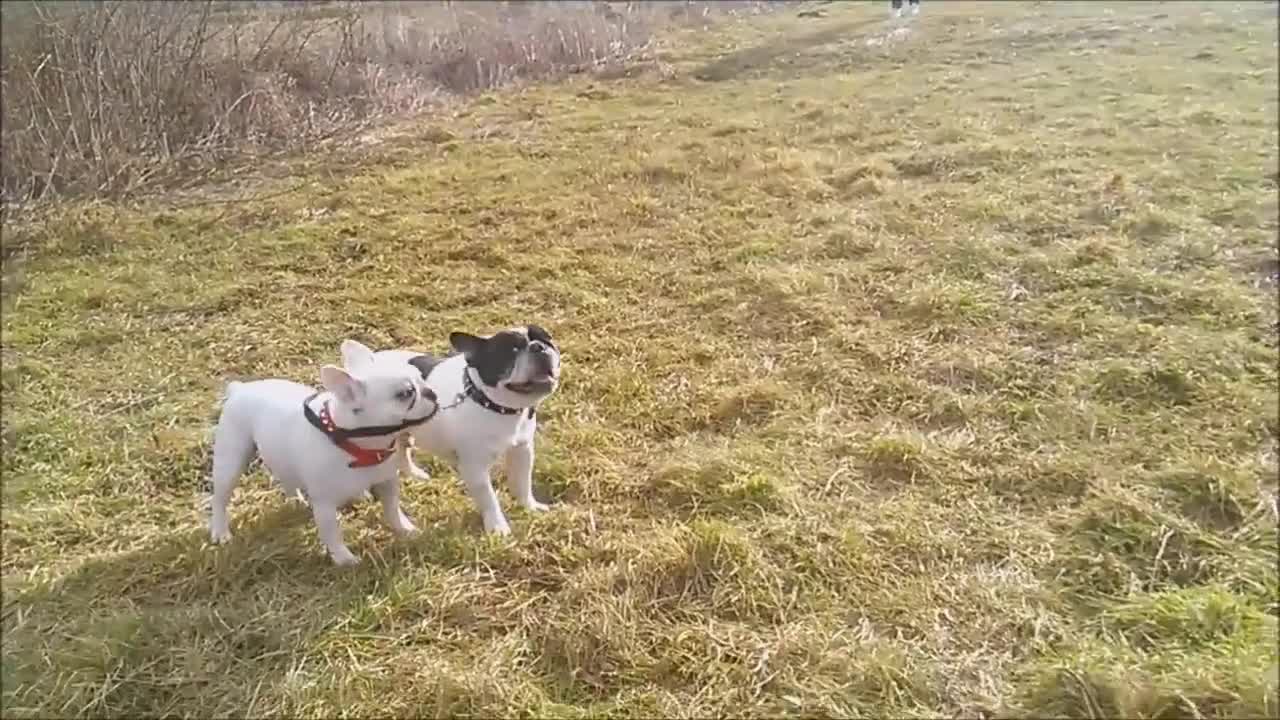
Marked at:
<point>537,332</point>
<point>466,343</point>
<point>346,387</point>
<point>355,355</point>
<point>423,364</point>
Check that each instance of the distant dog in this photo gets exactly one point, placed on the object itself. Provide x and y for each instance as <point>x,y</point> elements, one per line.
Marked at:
<point>333,446</point>
<point>490,389</point>
<point>897,7</point>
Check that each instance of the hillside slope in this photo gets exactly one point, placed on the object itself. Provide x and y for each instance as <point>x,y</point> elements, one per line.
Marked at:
<point>920,368</point>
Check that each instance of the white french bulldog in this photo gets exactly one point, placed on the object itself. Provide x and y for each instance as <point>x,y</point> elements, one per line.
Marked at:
<point>491,388</point>
<point>333,446</point>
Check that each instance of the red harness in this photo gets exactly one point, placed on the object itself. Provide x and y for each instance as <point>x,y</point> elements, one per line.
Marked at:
<point>364,457</point>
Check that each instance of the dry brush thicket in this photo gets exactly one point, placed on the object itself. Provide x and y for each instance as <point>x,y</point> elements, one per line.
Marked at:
<point>107,98</point>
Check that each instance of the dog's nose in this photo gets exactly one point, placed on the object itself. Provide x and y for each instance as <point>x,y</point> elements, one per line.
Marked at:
<point>428,393</point>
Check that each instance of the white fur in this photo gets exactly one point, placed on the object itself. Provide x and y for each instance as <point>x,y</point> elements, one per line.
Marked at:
<point>266,416</point>
<point>472,438</point>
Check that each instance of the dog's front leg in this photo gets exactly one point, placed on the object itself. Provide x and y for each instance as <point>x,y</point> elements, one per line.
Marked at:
<point>389,493</point>
<point>520,476</point>
<point>475,476</point>
<point>326,516</point>
<point>404,459</point>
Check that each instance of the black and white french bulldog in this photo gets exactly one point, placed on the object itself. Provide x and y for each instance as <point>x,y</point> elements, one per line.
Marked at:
<point>489,389</point>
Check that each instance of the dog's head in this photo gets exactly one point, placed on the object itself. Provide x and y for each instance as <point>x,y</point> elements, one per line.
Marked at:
<point>518,367</point>
<point>369,393</point>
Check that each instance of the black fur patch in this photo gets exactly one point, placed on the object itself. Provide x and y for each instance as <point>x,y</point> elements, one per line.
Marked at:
<point>425,364</point>
<point>494,357</point>
<point>536,332</point>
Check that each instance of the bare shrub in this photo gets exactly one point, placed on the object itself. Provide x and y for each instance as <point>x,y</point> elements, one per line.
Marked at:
<point>105,98</point>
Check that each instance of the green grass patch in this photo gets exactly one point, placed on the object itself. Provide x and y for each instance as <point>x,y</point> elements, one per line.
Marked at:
<point>915,373</point>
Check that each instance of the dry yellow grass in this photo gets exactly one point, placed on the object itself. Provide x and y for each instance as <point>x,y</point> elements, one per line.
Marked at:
<point>928,373</point>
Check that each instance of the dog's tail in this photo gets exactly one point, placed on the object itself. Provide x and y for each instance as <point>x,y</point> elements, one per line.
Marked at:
<point>227,391</point>
<point>217,411</point>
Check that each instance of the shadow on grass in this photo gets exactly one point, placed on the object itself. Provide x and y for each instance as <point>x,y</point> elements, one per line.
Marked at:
<point>176,624</point>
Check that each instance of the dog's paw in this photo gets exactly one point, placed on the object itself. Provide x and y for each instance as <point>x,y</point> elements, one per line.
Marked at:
<point>220,536</point>
<point>406,527</point>
<point>345,558</point>
<point>418,473</point>
<point>500,527</point>
<point>534,506</point>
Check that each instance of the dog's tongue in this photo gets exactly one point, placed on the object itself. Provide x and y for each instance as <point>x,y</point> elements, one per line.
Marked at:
<point>539,383</point>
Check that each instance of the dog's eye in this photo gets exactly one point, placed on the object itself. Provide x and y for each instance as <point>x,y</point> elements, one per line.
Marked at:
<point>404,394</point>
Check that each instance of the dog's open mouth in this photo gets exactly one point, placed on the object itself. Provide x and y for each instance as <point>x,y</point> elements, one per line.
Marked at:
<point>537,386</point>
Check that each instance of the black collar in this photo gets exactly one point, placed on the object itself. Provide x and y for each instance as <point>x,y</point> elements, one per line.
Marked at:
<point>474,392</point>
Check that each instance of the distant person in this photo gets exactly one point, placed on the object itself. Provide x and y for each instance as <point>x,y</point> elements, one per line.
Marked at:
<point>897,7</point>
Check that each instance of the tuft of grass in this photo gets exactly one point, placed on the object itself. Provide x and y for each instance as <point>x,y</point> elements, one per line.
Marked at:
<point>702,480</point>
<point>901,457</point>
<point>947,392</point>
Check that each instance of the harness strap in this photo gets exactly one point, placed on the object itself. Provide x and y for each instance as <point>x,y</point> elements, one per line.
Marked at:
<point>363,456</point>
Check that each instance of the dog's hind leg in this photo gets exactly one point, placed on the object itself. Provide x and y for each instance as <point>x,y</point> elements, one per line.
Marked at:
<point>233,448</point>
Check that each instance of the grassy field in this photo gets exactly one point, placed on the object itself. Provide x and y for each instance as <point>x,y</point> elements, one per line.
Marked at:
<point>920,368</point>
